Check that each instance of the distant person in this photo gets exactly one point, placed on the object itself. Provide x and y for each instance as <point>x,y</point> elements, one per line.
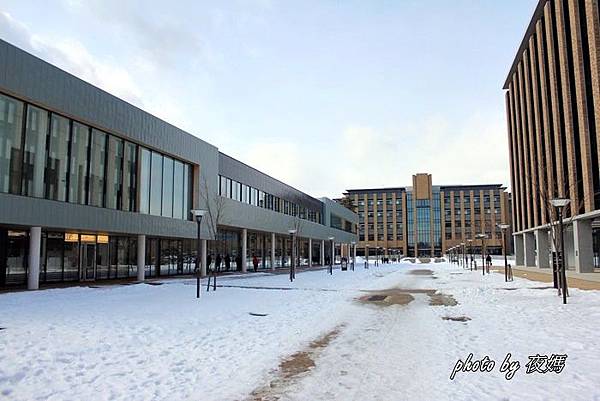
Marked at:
<point>255,262</point>
<point>227,262</point>
<point>238,263</point>
<point>488,259</point>
<point>218,262</point>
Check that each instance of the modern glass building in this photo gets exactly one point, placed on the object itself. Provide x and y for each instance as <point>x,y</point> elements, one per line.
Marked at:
<point>93,188</point>
<point>426,219</point>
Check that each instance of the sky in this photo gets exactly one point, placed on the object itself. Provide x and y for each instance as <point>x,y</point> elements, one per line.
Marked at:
<point>323,95</point>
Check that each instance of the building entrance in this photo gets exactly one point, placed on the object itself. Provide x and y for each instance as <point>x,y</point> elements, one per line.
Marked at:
<point>87,262</point>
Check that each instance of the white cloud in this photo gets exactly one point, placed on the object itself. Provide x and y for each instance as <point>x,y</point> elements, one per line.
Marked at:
<point>73,57</point>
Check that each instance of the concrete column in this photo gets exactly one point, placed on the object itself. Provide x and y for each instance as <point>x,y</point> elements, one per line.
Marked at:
<point>519,253</point>
<point>244,250</point>
<point>322,252</point>
<point>35,243</point>
<point>569,246</point>
<point>529,249</point>
<point>543,249</point>
<point>141,257</point>
<point>204,267</point>
<point>272,251</point>
<point>583,244</point>
<point>310,252</point>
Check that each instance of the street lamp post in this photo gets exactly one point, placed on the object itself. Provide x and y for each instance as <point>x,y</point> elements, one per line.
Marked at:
<point>504,227</point>
<point>293,257</point>
<point>559,204</point>
<point>470,241</point>
<point>482,237</point>
<point>332,256</point>
<point>198,214</point>
<point>353,254</point>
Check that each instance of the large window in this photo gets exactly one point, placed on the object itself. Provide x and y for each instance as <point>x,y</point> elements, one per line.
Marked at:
<point>167,189</point>
<point>97,168</point>
<point>156,181</point>
<point>165,186</point>
<point>34,154</point>
<point>129,177</point>
<point>114,173</point>
<point>145,160</point>
<point>55,180</point>
<point>11,122</point>
<point>78,170</point>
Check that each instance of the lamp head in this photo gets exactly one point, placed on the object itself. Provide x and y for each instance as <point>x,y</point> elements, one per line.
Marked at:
<point>292,231</point>
<point>560,202</point>
<point>503,226</point>
<point>198,214</point>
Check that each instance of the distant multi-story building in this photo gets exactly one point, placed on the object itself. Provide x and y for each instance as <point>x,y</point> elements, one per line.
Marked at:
<point>553,118</point>
<point>427,219</point>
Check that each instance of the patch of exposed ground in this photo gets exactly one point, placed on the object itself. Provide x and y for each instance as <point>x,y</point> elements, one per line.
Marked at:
<point>545,276</point>
<point>457,318</point>
<point>294,367</point>
<point>421,272</point>
<point>425,260</point>
<point>402,296</point>
<point>439,299</point>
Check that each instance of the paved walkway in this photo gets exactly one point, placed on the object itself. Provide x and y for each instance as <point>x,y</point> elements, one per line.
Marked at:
<point>583,281</point>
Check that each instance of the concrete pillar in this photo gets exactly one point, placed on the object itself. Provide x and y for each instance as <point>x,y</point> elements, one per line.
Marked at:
<point>272,251</point>
<point>35,243</point>
<point>244,250</point>
<point>543,249</point>
<point>322,252</point>
<point>204,267</point>
<point>569,246</point>
<point>529,249</point>
<point>310,252</point>
<point>583,245</point>
<point>354,252</point>
<point>519,254</point>
<point>141,257</point>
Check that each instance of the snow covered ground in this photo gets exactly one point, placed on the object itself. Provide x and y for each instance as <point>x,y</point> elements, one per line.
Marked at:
<point>145,342</point>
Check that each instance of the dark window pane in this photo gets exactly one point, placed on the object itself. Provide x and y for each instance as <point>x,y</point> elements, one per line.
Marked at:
<point>145,181</point>
<point>187,193</point>
<point>97,167</point>
<point>114,173</point>
<point>11,122</point>
<point>55,179</point>
<point>156,184</point>
<point>178,190</point>
<point>78,170</point>
<point>130,177</point>
<point>167,190</point>
<point>36,130</point>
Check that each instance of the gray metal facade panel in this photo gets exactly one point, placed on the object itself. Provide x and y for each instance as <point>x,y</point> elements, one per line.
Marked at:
<point>236,170</point>
<point>331,206</point>
<point>26,211</point>
<point>30,78</point>
<point>237,214</point>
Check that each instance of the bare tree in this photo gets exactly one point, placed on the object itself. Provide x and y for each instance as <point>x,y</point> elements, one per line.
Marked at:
<point>546,194</point>
<point>348,203</point>
<point>216,208</point>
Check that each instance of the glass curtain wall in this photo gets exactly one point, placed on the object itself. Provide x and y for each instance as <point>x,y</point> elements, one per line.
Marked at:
<point>43,154</point>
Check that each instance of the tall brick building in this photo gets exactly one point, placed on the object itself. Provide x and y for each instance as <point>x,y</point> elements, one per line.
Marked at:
<point>553,116</point>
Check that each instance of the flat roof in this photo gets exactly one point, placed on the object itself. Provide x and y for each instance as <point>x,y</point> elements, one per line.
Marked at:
<point>539,10</point>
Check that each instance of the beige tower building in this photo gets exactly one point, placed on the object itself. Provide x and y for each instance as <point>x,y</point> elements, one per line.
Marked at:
<point>427,219</point>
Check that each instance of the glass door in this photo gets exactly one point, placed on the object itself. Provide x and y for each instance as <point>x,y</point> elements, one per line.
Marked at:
<point>88,262</point>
